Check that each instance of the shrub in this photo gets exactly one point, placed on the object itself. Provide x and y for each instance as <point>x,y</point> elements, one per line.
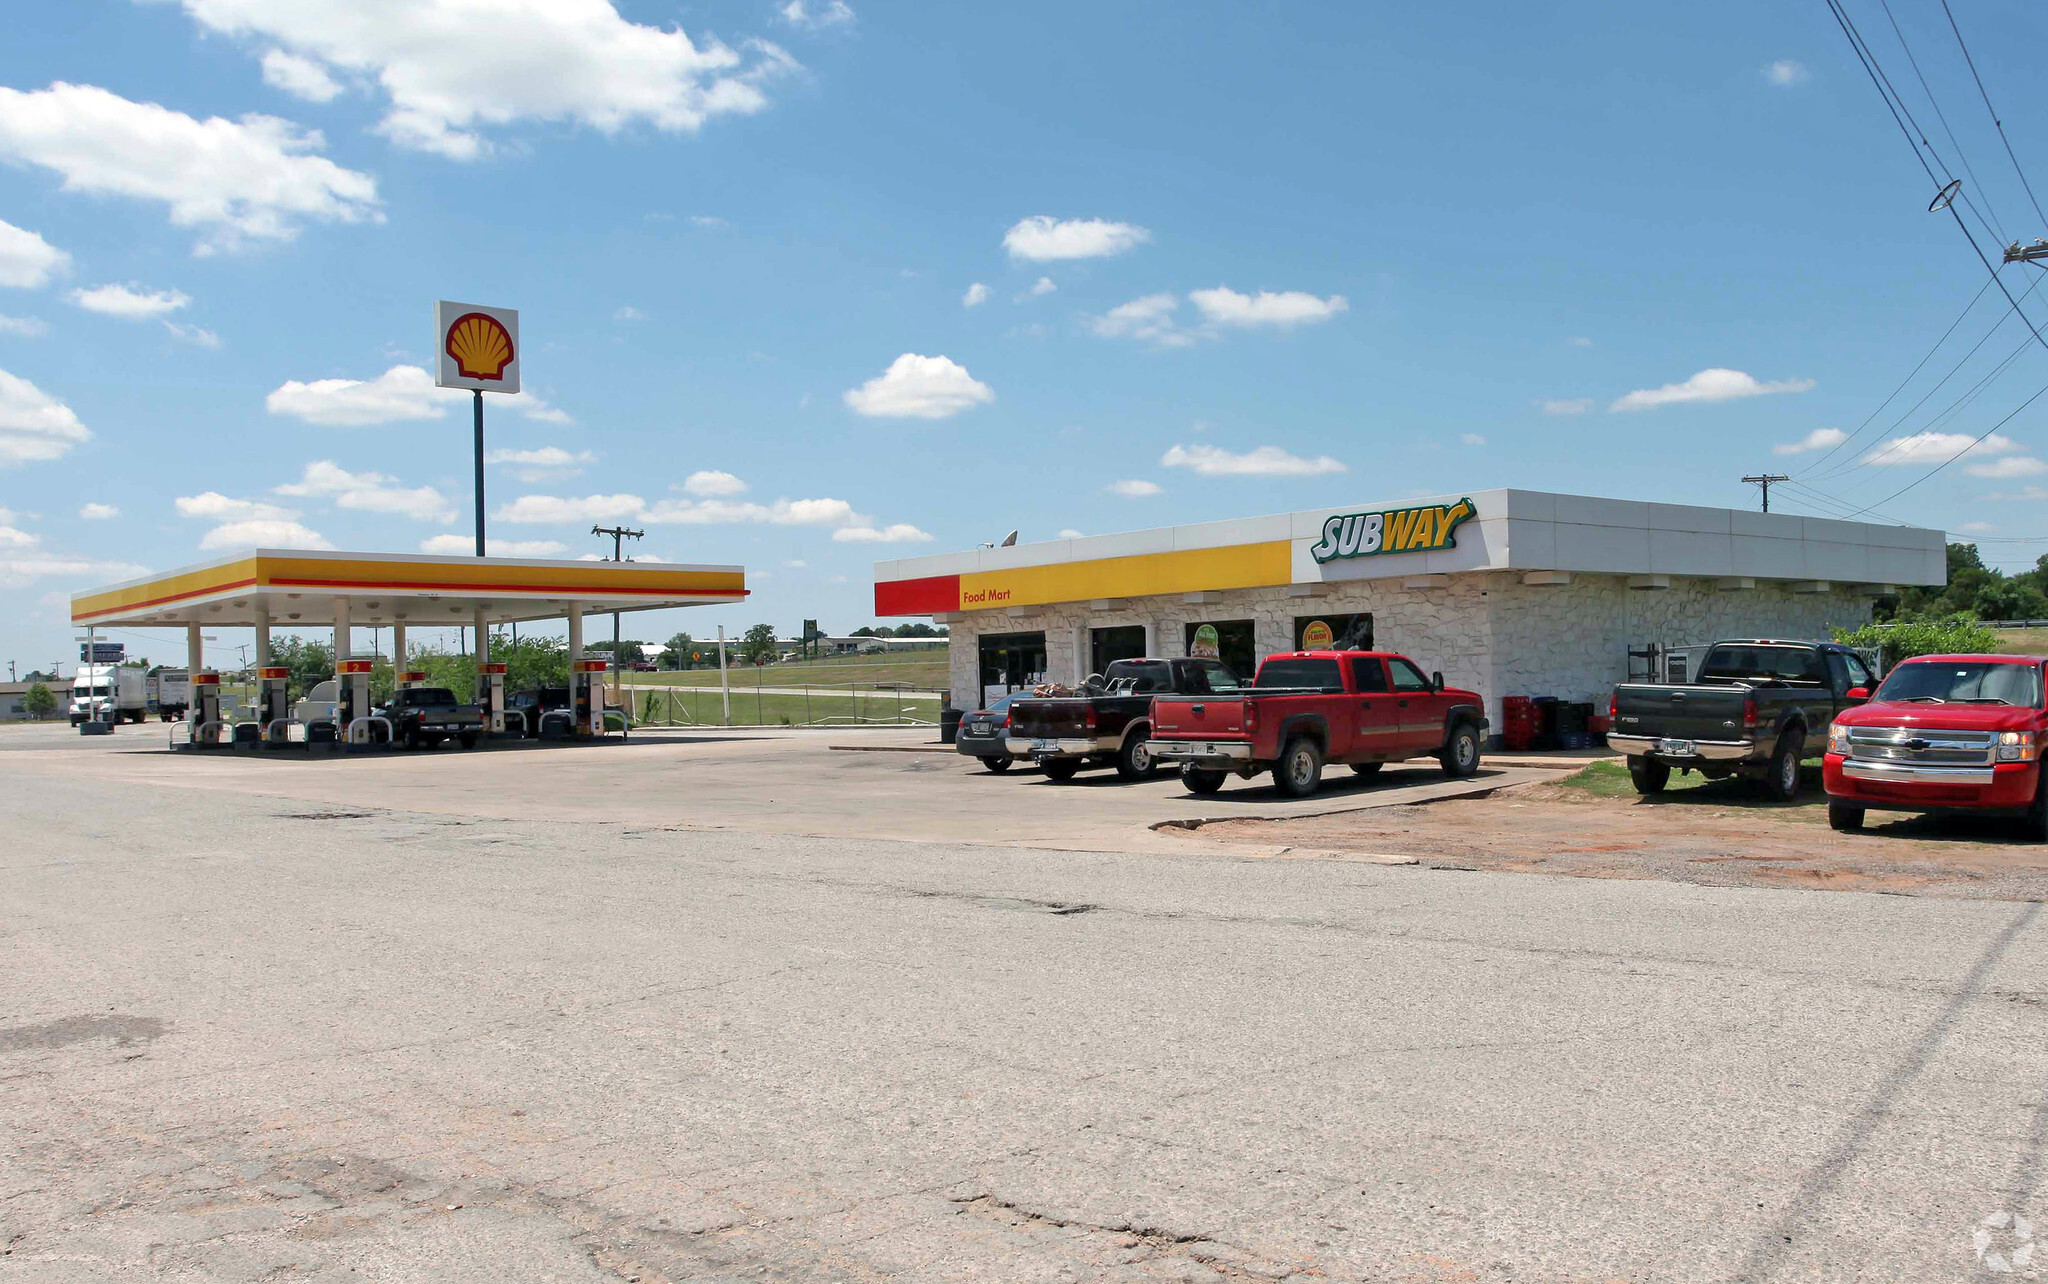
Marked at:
<point>1959,633</point>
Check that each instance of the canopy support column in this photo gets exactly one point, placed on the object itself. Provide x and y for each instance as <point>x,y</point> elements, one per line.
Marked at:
<point>341,630</point>
<point>397,650</point>
<point>262,638</point>
<point>195,650</point>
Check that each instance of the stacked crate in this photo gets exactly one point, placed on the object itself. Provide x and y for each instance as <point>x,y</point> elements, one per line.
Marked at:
<point>1521,724</point>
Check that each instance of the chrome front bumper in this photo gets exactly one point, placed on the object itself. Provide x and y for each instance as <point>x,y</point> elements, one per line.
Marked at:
<point>1063,747</point>
<point>1917,772</point>
<point>1708,750</point>
<point>1234,751</point>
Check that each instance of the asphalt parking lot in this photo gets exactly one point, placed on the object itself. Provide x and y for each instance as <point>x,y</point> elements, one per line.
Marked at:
<point>590,1015</point>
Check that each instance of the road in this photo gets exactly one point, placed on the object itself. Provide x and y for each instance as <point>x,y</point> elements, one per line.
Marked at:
<point>265,1035</point>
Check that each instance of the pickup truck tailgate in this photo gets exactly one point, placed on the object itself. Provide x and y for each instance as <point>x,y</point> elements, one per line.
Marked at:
<point>1679,713</point>
<point>1048,719</point>
<point>1191,717</point>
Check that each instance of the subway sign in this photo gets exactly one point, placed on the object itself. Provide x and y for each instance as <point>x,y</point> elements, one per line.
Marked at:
<point>1397,530</point>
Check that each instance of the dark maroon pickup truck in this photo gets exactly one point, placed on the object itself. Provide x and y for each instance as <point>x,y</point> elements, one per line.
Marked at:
<point>1307,708</point>
<point>1062,734</point>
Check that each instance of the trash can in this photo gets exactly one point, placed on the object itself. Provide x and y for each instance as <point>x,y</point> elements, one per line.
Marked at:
<point>949,725</point>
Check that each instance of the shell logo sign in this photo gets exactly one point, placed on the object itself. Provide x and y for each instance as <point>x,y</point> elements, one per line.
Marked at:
<point>1400,530</point>
<point>478,347</point>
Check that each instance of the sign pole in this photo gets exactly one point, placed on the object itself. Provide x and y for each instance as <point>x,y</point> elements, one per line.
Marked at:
<point>479,395</point>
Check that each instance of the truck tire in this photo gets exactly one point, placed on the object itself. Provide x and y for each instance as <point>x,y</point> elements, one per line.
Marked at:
<point>1367,770</point>
<point>468,739</point>
<point>1649,775</point>
<point>1299,772</point>
<point>412,737</point>
<point>1844,816</point>
<point>1782,783</point>
<point>1134,758</point>
<point>1201,780</point>
<point>1060,769</point>
<point>998,763</point>
<point>1460,757</point>
<point>2037,813</point>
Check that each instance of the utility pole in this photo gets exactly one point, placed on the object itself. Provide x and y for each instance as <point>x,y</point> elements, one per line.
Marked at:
<point>1764,480</point>
<point>619,535</point>
<point>2034,253</point>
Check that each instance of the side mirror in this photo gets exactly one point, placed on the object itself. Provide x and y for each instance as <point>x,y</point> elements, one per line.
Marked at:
<point>1436,681</point>
<point>1857,693</point>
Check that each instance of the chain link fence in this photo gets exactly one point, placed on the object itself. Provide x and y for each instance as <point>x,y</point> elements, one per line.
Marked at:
<point>768,703</point>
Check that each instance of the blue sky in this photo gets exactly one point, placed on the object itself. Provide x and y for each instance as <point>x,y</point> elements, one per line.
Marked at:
<point>1224,262</point>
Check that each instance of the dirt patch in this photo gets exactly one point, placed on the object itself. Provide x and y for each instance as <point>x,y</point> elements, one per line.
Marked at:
<point>1721,834</point>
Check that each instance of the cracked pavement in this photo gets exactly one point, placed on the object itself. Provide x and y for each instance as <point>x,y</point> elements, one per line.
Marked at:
<point>256,1037</point>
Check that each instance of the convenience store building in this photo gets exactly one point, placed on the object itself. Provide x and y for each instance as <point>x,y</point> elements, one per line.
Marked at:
<point>1508,592</point>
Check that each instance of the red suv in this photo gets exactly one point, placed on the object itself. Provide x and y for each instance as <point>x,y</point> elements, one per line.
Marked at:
<point>1944,733</point>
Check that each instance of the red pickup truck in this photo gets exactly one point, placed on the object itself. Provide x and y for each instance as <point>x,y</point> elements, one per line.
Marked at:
<point>1308,708</point>
<point>1944,733</point>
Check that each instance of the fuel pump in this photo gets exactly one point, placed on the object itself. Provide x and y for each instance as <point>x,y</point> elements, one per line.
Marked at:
<point>490,693</point>
<point>352,696</point>
<point>586,696</point>
<point>204,716</point>
<point>412,678</point>
<point>273,701</point>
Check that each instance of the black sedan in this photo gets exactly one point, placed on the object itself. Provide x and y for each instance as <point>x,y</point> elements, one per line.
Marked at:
<point>983,734</point>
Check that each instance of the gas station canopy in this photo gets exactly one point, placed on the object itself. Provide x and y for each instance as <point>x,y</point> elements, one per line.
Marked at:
<point>283,588</point>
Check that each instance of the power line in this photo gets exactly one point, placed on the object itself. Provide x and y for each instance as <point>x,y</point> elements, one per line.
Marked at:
<point>1960,453</point>
<point>1942,117</point>
<point>1985,95</point>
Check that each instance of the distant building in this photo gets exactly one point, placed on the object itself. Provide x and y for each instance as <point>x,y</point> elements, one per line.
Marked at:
<point>14,699</point>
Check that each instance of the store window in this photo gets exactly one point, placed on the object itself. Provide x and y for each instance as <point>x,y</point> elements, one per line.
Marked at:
<point>1227,640</point>
<point>1333,632</point>
<point>1107,646</point>
<point>1010,662</point>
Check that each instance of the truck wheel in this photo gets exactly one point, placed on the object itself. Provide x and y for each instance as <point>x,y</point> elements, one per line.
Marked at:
<point>468,740</point>
<point>1134,759</point>
<point>1845,816</point>
<point>1783,781</point>
<point>1060,769</point>
<point>1460,757</point>
<point>1367,769</point>
<point>1300,769</point>
<point>1201,780</point>
<point>412,737</point>
<point>999,763</point>
<point>2037,813</point>
<point>1649,775</point>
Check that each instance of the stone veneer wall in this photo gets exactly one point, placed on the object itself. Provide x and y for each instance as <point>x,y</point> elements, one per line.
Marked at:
<point>1486,631</point>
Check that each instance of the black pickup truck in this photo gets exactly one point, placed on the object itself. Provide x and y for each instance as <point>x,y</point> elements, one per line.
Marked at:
<point>425,716</point>
<point>1760,706</point>
<point>1110,721</point>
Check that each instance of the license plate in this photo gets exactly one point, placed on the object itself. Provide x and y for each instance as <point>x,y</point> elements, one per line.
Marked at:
<point>1679,748</point>
<point>1044,742</point>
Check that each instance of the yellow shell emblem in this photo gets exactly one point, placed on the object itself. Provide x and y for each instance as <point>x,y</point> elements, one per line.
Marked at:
<point>481,346</point>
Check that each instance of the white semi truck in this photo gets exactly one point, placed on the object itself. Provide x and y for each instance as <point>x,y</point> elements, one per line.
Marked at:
<point>98,686</point>
<point>170,693</point>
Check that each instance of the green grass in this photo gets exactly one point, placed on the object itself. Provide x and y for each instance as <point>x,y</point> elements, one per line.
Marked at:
<point>700,707</point>
<point>1611,780</point>
<point>927,669</point>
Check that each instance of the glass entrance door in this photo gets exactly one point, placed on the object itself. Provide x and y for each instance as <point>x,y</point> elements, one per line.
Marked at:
<point>1010,662</point>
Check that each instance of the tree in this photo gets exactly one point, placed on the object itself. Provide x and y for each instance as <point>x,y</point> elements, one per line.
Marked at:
<point>630,652</point>
<point>864,631</point>
<point>676,655</point>
<point>758,647</point>
<point>310,662</point>
<point>1902,640</point>
<point>39,700</point>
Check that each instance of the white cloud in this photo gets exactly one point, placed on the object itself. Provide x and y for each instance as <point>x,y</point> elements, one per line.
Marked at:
<point>916,387</point>
<point>1818,439</point>
<point>463,545</point>
<point>1039,289</point>
<point>27,261</point>
<point>33,424</point>
<point>369,493</point>
<point>1580,341</point>
<point>1565,405</point>
<point>212,506</point>
<point>1224,306</point>
<point>783,512</point>
<point>21,569</point>
<point>196,335</point>
<point>23,327</point>
<point>1042,238</point>
<point>1939,448</point>
<point>1071,533</point>
<point>900,533</point>
<point>98,512</point>
<point>262,533</point>
<point>1149,317</point>
<point>402,392</point>
<point>129,302</point>
<point>796,563</point>
<point>1265,461</point>
<point>452,68</point>
<point>548,509</point>
<point>1134,488</point>
<point>2010,466</point>
<point>1712,384</point>
<point>1472,439</point>
<point>815,15</point>
<point>1785,72</point>
<point>708,220</point>
<point>542,463</point>
<point>977,294</point>
<point>253,179</point>
<point>299,77</point>
<point>629,314</point>
<point>710,483</point>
